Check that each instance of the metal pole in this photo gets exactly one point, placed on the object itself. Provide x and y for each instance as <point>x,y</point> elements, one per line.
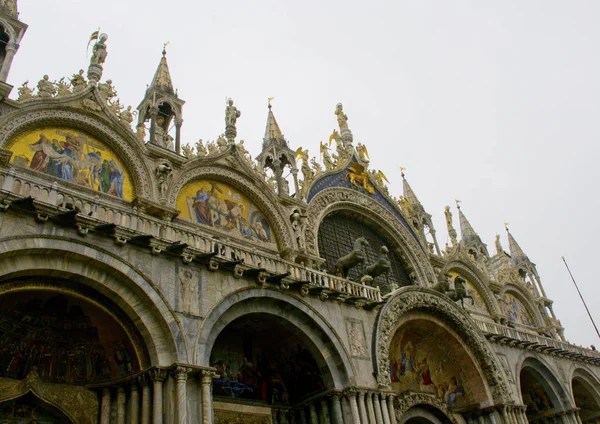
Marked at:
<point>584,304</point>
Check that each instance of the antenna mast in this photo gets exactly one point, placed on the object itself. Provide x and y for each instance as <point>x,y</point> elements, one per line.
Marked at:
<point>584,304</point>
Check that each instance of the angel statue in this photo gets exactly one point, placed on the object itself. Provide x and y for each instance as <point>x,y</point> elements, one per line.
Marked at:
<point>379,178</point>
<point>327,161</point>
<point>363,153</point>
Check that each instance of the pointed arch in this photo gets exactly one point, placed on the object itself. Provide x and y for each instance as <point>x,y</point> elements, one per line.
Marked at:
<point>124,143</point>
<point>527,300</point>
<point>336,199</point>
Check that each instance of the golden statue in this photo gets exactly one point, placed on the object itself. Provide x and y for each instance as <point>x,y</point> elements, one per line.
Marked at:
<point>359,177</point>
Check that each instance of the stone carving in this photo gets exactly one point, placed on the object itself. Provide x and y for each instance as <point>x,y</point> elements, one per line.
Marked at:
<point>126,115</point>
<point>406,401</point>
<point>99,51</point>
<point>307,172</point>
<point>418,298</point>
<point>78,82</point>
<point>380,180</point>
<point>200,149</point>
<point>107,90</point>
<point>499,249</point>
<point>330,200</point>
<point>45,87</point>
<point>212,147</point>
<point>356,338</point>
<point>188,151</point>
<point>451,230</point>
<point>299,227</point>
<point>63,88</point>
<point>354,258</point>
<point>341,117</point>
<point>91,105</point>
<point>222,143</point>
<point>24,91</point>
<point>231,114</point>
<point>188,291</point>
<point>161,137</point>
<point>11,7</point>
<point>163,177</point>
<point>342,154</point>
<point>316,167</point>
<point>454,289</point>
<point>140,131</point>
<point>363,153</point>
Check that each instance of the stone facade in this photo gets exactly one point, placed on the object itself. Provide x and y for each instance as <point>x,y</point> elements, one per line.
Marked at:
<point>145,281</point>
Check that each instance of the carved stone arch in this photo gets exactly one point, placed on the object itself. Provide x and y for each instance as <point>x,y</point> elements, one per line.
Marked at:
<point>405,402</point>
<point>526,298</point>
<point>23,257</point>
<point>292,310</point>
<point>124,144</point>
<point>335,199</point>
<point>174,107</point>
<point>265,200</point>
<point>584,380</point>
<point>478,279</point>
<point>559,393</point>
<point>12,36</point>
<point>78,404</point>
<point>430,302</point>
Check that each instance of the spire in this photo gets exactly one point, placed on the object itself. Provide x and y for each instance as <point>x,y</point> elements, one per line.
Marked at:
<point>515,250</point>
<point>468,235</point>
<point>409,194</point>
<point>162,77</point>
<point>272,131</point>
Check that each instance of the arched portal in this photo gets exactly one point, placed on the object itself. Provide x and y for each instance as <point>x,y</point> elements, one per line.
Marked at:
<point>586,396</point>
<point>541,391</point>
<point>424,414</point>
<point>30,409</point>
<point>428,357</point>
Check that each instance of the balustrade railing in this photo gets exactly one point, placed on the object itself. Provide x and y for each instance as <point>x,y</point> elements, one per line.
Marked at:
<point>524,336</point>
<point>119,212</point>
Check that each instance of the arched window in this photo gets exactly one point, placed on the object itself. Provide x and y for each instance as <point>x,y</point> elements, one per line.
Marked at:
<point>337,234</point>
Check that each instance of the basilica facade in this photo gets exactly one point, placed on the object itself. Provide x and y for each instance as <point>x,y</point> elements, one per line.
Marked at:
<point>144,280</point>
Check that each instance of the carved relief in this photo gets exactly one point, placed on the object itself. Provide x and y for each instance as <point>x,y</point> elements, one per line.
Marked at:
<point>356,338</point>
<point>189,300</point>
<point>406,401</point>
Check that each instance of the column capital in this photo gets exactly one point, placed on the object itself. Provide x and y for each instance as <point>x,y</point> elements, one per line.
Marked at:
<point>181,372</point>
<point>391,396</point>
<point>106,391</point>
<point>352,391</point>
<point>142,380</point>
<point>132,384</point>
<point>120,390</point>
<point>335,395</point>
<point>208,376</point>
<point>158,374</point>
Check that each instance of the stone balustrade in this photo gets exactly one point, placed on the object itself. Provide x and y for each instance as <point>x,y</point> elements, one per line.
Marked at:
<point>529,340</point>
<point>131,222</point>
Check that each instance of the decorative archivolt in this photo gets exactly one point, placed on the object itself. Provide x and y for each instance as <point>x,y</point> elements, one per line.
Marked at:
<point>334,199</point>
<point>414,298</point>
<point>127,147</point>
<point>265,200</point>
<point>528,301</point>
<point>409,400</point>
<point>475,277</point>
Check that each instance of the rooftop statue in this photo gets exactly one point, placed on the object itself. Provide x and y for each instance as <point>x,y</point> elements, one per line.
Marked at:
<point>201,149</point>
<point>45,87</point>
<point>451,230</point>
<point>341,117</point>
<point>99,50</point>
<point>78,81</point>
<point>354,258</point>
<point>231,114</point>
<point>327,160</point>
<point>499,249</point>
<point>25,92</point>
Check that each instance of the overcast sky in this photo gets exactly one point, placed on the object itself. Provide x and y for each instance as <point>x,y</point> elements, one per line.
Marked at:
<point>493,103</point>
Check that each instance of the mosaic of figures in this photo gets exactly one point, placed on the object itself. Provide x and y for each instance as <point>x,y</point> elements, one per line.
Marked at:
<point>264,364</point>
<point>515,311</point>
<point>223,207</point>
<point>29,409</point>
<point>535,397</point>
<point>425,359</point>
<point>67,339</point>
<point>73,156</point>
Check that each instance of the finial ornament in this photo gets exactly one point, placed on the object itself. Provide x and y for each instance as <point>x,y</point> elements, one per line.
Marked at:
<point>457,203</point>
<point>402,169</point>
<point>506,226</point>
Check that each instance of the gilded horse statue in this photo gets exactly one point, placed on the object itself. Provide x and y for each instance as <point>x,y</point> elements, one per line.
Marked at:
<point>458,293</point>
<point>356,257</point>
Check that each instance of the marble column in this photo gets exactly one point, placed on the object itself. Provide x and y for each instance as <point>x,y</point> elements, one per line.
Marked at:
<point>325,412</point>
<point>384,409</point>
<point>283,416</point>
<point>391,410</point>
<point>351,395</point>
<point>362,409</point>
<point>158,376</point>
<point>105,407</point>
<point>312,409</point>
<point>181,375</point>
<point>134,404</point>
<point>303,415</point>
<point>370,408</point>
<point>121,405</point>
<point>336,408</point>
<point>146,402</point>
<point>207,412</point>
<point>377,406</point>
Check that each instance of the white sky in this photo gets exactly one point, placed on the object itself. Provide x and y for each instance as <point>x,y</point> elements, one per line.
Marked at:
<point>493,103</point>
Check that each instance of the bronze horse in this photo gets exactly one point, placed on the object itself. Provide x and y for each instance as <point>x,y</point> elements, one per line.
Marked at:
<point>382,266</point>
<point>459,292</point>
<point>354,258</point>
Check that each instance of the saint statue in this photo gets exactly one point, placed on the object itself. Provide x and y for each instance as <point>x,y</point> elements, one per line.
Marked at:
<point>451,230</point>
<point>499,249</point>
<point>99,51</point>
<point>231,114</point>
<point>45,87</point>
<point>341,117</point>
<point>78,81</point>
